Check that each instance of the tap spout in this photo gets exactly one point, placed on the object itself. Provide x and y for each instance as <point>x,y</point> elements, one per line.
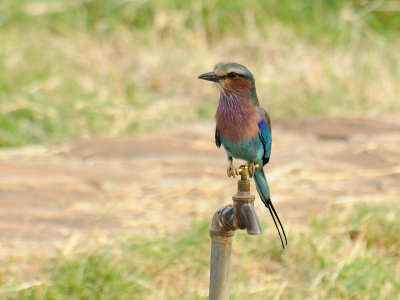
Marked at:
<point>251,221</point>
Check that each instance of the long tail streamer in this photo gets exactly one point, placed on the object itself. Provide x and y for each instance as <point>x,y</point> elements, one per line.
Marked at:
<point>263,191</point>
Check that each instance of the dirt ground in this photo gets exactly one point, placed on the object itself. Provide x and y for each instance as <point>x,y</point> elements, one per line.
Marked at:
<point>54,197</point>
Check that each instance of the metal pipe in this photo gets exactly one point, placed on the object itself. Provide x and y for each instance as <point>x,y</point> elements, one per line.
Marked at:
<point>221,245</point>
<point>240,215</point>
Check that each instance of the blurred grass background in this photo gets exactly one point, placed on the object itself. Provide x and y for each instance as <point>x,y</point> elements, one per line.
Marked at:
<point>79,68</point>
<point>350,254</point>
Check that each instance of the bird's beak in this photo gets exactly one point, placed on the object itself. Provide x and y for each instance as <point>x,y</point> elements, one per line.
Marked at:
<point>210,76</point>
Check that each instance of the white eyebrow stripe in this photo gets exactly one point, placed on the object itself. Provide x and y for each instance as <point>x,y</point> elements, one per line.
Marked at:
<point>222,72</point>
<point>235,70</point>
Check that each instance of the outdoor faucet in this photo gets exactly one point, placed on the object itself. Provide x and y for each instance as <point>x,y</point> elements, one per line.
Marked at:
<point>227,219</point>
<point>240,215</point>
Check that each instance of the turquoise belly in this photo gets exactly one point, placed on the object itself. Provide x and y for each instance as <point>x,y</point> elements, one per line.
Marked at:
<point>249,150</point>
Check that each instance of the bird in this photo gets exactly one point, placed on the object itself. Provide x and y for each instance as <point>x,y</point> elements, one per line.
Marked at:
<point>243,127</point>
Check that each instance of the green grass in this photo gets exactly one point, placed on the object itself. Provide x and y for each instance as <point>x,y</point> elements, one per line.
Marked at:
<point>80,68</point>
<point>351,254</point>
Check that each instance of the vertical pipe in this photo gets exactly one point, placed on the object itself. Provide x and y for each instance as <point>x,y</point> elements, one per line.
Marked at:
<point>226,220</point>
<point>220,264</point>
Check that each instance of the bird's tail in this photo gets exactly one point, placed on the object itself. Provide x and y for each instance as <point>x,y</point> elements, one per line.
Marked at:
<point>263,191</point>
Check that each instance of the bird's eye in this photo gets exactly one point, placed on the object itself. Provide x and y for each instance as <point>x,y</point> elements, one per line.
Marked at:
<point>232,75</point>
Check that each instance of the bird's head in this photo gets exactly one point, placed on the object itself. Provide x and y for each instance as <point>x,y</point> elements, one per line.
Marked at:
<point>231,77</point>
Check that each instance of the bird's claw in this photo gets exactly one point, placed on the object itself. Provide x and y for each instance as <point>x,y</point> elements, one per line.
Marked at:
<point>232,171</point>
<point>252,169</point>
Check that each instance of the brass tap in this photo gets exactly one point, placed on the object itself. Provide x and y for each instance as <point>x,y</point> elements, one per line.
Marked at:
<point>240,215</point>
<point>244,183</point>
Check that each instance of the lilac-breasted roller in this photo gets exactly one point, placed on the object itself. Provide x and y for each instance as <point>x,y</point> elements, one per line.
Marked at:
<point>243,126</point>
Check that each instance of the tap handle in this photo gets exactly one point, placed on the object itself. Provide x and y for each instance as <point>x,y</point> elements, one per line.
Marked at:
<point>244,170</point>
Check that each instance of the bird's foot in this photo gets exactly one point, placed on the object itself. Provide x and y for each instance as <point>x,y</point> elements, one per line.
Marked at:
<point>232,171</point>
<point>252,169</point>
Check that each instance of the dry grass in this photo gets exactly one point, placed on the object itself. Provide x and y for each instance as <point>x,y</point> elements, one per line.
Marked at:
<point>351,254</point>
<point>76,69</point>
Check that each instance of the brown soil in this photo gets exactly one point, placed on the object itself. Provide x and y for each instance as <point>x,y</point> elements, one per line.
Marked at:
<point>52,198</point>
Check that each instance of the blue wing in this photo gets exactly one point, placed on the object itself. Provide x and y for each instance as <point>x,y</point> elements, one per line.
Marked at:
<point>265,136</point>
